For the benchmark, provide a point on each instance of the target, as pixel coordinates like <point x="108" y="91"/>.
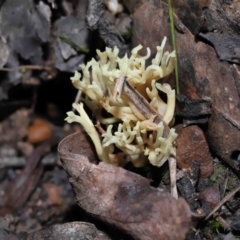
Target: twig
<point x="118" y="87"/>
<point x="30" y="67"/>
<point x="173" y="175"/>
<point x="144" y="107"/>
<point x="18" y="162"/>
<point x="225" y="184"/>
<point x="223" y="223"/>
<point x="225" y="199"/>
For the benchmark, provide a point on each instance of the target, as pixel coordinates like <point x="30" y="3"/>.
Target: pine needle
<point x="74" y="45"/>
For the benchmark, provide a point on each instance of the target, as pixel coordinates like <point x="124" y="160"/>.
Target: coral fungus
<point x="123" y="95"/>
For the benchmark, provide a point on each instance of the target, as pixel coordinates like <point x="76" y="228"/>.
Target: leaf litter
<point x="119" y="203"/>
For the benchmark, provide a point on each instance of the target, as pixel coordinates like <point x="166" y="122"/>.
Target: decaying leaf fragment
<point x="120" y="197"/>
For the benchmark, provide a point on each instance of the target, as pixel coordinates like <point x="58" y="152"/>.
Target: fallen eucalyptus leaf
<point x="120" y="197"/>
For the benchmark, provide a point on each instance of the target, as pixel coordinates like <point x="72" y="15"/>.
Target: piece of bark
<point x="190" y="12"/>
<point x="233" y="205"/>
<point x="222" y="31"/>
<point x="219" y="18"/>
<point x="226" y="45"/>
<point x="200" y="74"/>
<point x="193" y="111"/>
<point x="192" y="108"/>
<point x="191" y="145"/>
<point x="187" y="191"/>
<point x="120" y="197"/>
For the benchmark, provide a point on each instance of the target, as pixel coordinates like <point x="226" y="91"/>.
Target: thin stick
<point x="225" y="199"/>
<point x="225" y="185"/>
<point x="118" y="87"/>
<point x="223" y="223"/>
<point x="30" y="67"/>
<point x="144" y="107"/>
<point x="173" y="175"/>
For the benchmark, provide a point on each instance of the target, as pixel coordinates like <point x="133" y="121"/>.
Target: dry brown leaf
<point x="120" y="197"/>
<point x="191" y="145"/>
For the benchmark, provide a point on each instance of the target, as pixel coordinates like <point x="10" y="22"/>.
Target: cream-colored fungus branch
<point x="124" y="92"/>
<point x="87" y="124"/>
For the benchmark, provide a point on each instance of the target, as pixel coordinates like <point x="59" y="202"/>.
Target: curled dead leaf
<point x="120" y="197"/>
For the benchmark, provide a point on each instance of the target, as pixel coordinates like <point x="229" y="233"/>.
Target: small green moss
<point x="223" y="175"/>
<point x="232" y="183"/>
<point x="215" y="226"/>
<point x="218" y="176"/>
<point x="128" y="32"/>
